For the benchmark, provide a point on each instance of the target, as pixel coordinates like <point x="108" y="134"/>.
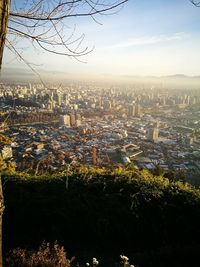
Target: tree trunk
<point x="4" y="14"/>
<point x="1" y="215"/>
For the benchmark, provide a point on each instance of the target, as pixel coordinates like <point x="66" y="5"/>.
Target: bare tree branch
<point x="45" y="23"/>
<point x="59" y="14"/>
<point x="196" y="3"/>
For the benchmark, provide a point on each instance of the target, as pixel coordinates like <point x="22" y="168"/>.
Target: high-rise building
<point x="65" y="99"/>
<point x="51" y="104"/>
<point x="59" y="99"/>
<point x="137" y="110"/>
<point x="65" y="120"/>
<point x="78" y="123"/>
<point x="78" y="116"/>
<point x="131" y="110"/>
<point x="163" y="101"/>
<point x="187" y="99"/>
<point x="153" y="134"/>
<point x="72" y="120"/>
<point x="75" y="106"/>
<point x="107" y="105"/>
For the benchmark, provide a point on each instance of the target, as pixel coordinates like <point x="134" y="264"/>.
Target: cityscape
<point x="54" y="126"/>
<point x="99" y="133"/>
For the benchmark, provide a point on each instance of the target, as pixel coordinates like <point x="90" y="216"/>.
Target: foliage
<point x="97" y="209"/>
<point x="5" y="139"/>
<point x="46" y="256"/>
<point x="51" y="256"/>
<point x="8" y="166"/>
<point x="3" y="165"/>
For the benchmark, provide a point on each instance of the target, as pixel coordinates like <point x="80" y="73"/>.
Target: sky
<point x="146" y="38"/>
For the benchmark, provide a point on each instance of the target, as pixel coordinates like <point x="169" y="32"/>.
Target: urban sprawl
<point x="52" y="127"/>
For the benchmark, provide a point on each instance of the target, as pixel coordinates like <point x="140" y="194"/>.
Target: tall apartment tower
<point x="65" y="120"/>
<point x="131" y="110"/>
<point x="51" y="104"/>
<point x="137" y="110"/>
<point x="72" y="120"/>
<point x="153" y="134"/>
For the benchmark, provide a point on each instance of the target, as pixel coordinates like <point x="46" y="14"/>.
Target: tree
<point x="4" y="14"/>
<point x="44" y="23"/>
<point x="196" y="3"/>
<point x="1" y="215"/>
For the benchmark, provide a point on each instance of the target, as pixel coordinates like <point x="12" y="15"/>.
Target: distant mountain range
<point x="174" y="76"/>
<point x="12" y="72"/>
<point x="181" y="76"/>
<point x="26" y="75"/>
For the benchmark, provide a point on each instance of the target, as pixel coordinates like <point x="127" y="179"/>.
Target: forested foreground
<point x="104" y="213"/>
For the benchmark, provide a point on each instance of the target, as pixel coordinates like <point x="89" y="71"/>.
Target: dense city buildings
<point x="76" y="124"/>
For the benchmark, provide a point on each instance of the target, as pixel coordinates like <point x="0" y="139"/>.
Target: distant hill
<point x="26" y="75"/>
<point x="181" y="76"/>
<point x="16" y="75"/>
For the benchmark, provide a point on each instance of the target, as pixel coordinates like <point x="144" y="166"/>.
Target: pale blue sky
<point x="147" y="37"/>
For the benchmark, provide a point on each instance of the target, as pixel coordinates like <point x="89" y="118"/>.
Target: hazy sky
<point x="147" y="37"/>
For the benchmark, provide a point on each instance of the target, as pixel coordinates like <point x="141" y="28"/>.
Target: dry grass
<point x="46" y="256"/>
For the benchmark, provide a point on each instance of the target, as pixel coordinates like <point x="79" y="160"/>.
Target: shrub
<point x="46" y="256"/>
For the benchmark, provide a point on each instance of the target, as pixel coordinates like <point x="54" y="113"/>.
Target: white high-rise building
<point x="153" y="134"/>
<point x="65" y="120"/>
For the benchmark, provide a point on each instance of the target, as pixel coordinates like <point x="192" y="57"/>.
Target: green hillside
<point x="106" y="213"/>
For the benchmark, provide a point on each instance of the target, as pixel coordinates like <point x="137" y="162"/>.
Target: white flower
<point x="95" y="261"/>
<point x="124" y="258"/>
<point x="87" y="264"/>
